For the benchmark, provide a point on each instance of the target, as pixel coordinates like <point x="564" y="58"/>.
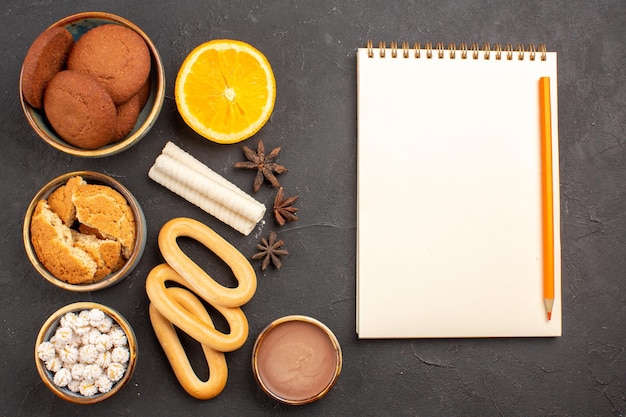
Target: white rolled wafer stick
<point x="182" y="174"/>
<point x="189" y="161"/>
<point x="171" y="179"/>
<point x="220" y="212"/>
<point x="206" y="186"/>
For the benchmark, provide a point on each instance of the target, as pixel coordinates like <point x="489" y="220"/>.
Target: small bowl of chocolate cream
<point x="296" y="360"/>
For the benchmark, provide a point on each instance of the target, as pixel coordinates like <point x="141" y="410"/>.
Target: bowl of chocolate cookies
<point x="84" y="231"/>
<point x="92" y="84"/>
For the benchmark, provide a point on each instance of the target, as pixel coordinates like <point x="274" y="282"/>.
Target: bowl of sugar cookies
<point x="92" y="84"/>
<point x="84" y="231"/>
<point x="85" y="352"/>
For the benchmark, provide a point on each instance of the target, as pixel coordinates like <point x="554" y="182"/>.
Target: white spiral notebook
<point x="449" y="233"/>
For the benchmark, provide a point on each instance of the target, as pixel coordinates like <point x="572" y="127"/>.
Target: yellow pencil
<point x="547" y="202"/>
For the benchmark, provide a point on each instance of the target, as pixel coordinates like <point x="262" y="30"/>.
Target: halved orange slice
<point x="225" y="90"/>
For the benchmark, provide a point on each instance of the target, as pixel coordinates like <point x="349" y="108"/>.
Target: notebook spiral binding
<point x="473" y="51"/>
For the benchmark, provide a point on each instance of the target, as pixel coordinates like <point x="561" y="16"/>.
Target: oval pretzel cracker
<point x="216" y="361"/>
<point x="176" y="312"/>
<point x="205" y="286"/>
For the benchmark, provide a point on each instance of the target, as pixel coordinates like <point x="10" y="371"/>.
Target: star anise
<point x="270" y="251"/>
<point x="284" y="211"/>
<point x="264" y="164"/>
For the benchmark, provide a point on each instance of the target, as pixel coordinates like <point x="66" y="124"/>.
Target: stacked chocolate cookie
<point x="92" y="89"/>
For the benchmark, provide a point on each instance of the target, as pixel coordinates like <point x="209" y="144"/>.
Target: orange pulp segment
<point x="225" y="90"/>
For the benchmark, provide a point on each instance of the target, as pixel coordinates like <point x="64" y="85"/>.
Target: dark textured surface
<point x="311" y="46"/>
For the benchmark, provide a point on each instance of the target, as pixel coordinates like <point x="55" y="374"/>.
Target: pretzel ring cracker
<point x="180" y="316"/>
<point x="205" y="286"/>
<point x="172" y="307"/>
<point x="166" y="334"/>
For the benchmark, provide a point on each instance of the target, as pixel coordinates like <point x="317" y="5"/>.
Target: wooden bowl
<point x="47" y="332"/>
<point x="90" y="177"/>
<point x="78" y="24"/>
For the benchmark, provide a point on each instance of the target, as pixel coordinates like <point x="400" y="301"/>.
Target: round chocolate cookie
<point x="45" y="57"/>
<point x="144" y="93"/>
<point x="116" y="56"/>
<point x="80" y="109"/>
<point x="127" y="114"/>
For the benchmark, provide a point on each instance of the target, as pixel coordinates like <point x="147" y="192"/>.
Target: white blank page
<point x="449" y="197"/>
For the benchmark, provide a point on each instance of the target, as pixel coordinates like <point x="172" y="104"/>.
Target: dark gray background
<point x="311" y="46"/>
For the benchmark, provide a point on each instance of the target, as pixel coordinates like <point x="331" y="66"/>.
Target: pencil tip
<point x="549" y="304"/>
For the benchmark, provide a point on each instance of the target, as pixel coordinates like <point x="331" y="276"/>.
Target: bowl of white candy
<point x="85" y="352"/>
